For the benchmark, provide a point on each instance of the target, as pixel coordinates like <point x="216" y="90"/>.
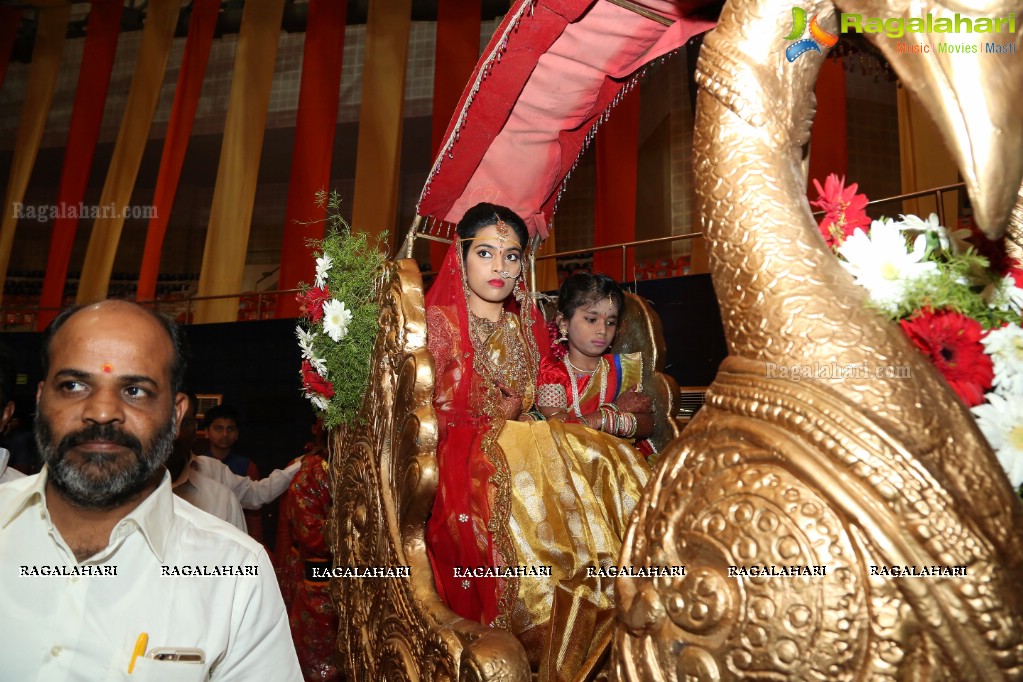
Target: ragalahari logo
<point x="818" y="36"/>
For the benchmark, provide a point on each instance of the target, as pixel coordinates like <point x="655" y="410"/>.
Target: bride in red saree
<point x="515" y="492"/>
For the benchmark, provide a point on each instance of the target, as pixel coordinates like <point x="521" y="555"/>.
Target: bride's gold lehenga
<point x="521" y="495"/>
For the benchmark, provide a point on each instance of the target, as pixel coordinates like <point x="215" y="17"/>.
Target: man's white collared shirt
<point x="252" y="494"/>
<point x="64" y="620"/>
<point x="210" y="496"/>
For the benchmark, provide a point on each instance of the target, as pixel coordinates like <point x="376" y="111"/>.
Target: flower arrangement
<point x="339" y="318"/>
<point x="956" y="295"/>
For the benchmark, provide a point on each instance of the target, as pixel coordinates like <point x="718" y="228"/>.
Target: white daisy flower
<point x="305" y="342"/>
<point x="322" y="268"/>
<point x="1001" y="421"/>
<point x="1005" y="346"/>
<point x="882" y="264"/>
<point x="336" y="319"/>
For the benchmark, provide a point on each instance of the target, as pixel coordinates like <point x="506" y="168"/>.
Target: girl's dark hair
<point x="481" y="215"/>
<point x="582" y="287"/>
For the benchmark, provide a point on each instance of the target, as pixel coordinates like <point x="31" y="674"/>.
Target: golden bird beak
<point x="975" y="97"/>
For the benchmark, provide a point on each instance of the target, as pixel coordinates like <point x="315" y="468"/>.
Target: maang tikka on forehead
<point x="503" y="231"/>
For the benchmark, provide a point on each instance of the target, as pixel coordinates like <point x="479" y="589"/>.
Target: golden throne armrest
<point x="384" y="478"/>
<point x="641" y="330"/>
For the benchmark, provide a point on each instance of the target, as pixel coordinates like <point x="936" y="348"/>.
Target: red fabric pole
<point x="829" y="142"/>
<point x="83" y="133"/>
<point x="458" y="50"/>
<point x="10" y="17"/>
<point x="314" y="144"/>
<point x="614" y="217"/>
<point x="179" y="130"/>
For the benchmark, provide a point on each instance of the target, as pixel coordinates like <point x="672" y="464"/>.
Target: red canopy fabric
<point x="549" y="76"/>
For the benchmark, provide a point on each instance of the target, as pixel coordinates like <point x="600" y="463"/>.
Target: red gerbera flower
<point x="845" y="210"/>
<point x="311" y="303"/>
<point x="952" y="342"/>
<point x="314" y="383"/>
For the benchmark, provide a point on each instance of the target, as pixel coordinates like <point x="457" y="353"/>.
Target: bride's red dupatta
<point x="468" y="528"/>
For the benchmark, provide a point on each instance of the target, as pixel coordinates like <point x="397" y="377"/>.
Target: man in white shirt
<point x="190" y="485"/>
<point x="6" y="412"/>
<point x="7" y="473"/>
<point x="211" y="485"/>
<point x="104" y="575"/>
<point x="251" y="494"/>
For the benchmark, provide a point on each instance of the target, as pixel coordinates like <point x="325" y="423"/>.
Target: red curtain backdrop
<point x="179" y="130"/>
<point x="457" y="51"/>
<point x="83" y="133"/>
<point x="614" y="217"/>
<point x="314" y="144"/>
<point x="829" y="145"/>
<point x="10" y="17"/>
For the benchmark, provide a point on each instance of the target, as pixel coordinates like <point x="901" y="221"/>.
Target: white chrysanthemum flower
<point x="1001" y="421"/>
<point x="336" y="319"/>
<point x="1005" y="346"/>
<point x="914" y="222"/>
<point x="318" y="400"/>
<point x="953" y="241"/>
<point x="319" y="365"/>
<point x="322" y="268"/>
<point x="881" y="263"/>
<point x="305" y="342"/>
<point x="1004" y="294"/>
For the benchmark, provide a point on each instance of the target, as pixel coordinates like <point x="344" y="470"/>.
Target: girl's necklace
<point x="581" y="371"/>
<point x="575" y="385"/>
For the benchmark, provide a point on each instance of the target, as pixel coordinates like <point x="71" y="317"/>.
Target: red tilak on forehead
<point x="107" y="368"/>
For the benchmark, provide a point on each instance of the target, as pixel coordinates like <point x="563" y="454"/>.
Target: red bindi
<point x="107" y="368"/>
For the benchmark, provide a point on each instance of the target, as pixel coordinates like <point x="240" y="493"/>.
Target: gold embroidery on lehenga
<point x="502" y="354"/>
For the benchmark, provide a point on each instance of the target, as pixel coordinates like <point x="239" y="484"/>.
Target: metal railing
<point x="623" y="247"/>
<point x="187" y="303"/>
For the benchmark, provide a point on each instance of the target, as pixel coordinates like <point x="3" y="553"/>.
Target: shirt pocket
<point x="149" y="670"/>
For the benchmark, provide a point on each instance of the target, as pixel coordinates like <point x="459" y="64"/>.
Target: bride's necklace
<point x="575" y="385"/>
<point x="483" y="327"/>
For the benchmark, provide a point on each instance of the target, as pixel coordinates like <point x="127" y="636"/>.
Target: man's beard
<point x="112" y="482"/>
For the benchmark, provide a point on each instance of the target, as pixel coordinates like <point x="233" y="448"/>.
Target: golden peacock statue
<point x="850" y="474"/>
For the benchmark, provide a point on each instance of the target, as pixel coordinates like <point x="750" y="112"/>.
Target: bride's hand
<point x="511" y="401"/>
<point x="633" y="401"/>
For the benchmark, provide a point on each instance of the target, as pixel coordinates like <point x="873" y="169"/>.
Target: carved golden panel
<point x="854" y="474"/>
<point x="384" y="476"/>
